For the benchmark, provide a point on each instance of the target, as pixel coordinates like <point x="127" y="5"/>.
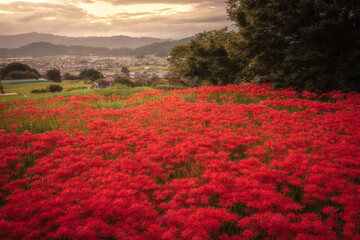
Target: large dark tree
<point x="305" y="43"/>
<point x="18" y="70"/>
<point x="54" y="75"/>
<point x="208" y="57"/>
<point x="90" y="74"/>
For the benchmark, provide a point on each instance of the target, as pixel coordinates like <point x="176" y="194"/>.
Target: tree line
<point x="310" y="45"/>
<point x="17" y="71"/>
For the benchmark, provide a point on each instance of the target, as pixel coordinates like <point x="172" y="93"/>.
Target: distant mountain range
<point x="38" y="49"/>
<point x="16" y="41"/>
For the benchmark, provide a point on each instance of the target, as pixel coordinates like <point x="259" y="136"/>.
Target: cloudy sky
<point x="151" y="18"/>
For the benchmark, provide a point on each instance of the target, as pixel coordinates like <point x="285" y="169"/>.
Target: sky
<point x="137" y="18"/>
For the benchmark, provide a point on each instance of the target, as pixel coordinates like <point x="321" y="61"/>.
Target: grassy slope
<point x="23" y="90"/>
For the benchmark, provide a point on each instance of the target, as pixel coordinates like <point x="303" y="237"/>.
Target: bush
<point x="154" y="81"/>
<point x="35" y="91"/>
<point x="55" y="88"/>
<point x="69" y="76"/>
<point x="43" y="90"/>
<point x="140" y="82"/>
<point x="169" y="87"/>
<point x="90" y="74"/>
<point x="21" y="75"/>
<point x="124" y="81"/>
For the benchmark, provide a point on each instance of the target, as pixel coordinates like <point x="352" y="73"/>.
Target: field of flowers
<point x="234" y="162"/>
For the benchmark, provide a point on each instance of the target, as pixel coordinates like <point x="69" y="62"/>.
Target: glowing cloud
<point x="103" y="9"/>
<point x="140" y="18"/>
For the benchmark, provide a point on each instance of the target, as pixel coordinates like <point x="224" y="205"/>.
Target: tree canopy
<point x="18" y="70"/>
<point x="308" y="44"/>
<point x="90" y="74"/>
<point x="68" y="76"/>
<point x="209" y="57"/>
<point x="54" y="75"/>
<point x="125" y="70"/>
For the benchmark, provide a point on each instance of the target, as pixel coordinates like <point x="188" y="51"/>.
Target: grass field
<point x="24" y="89"/>
<point x="69" y="89"/>
<point x="154" y="68"/>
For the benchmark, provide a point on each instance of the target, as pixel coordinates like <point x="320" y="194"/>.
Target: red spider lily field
<point x="233" y="162"/>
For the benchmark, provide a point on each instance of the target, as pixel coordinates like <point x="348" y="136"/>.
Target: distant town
<point x="140" y="67"/>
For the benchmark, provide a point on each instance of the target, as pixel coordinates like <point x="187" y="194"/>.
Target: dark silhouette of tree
<point x="54" y="75"/>
<point x="308" y="44"/>
<point x="90" y="74"/>
<point x="22" y="71"/>
<point x="208" y="57"/>
<point x="125" y="70"/>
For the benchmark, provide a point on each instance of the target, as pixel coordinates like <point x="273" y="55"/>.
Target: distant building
<point x="132" y="74"/>
<point x="103" y="82"/>
<point x="114" y="75"/>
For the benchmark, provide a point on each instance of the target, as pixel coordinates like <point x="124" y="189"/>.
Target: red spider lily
<point x="232" y="162"/>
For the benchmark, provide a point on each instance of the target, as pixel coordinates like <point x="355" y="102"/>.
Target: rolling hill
<point x="19" y="40"/>
<point x="38" y="49"/>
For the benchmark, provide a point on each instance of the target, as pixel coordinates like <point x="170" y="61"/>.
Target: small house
<point x="103" y="82"/>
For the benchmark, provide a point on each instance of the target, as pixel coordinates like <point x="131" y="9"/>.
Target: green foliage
<point x="42" y="90"/>
<point x="21" y="75"/>
<point x="154" y="81"/>
<point x="54" y="75"/>
<point x="124" y="81"/>
<point x="68" y="76"/>
<point x="23" y="90"/>
<point x="139" y="82"/>
<point x="209" y="57"/>
<point x="308" y="44"/>
<point x="35" y="91"/>
<point x="169" y="87"/>
<point x="125" y="70"/>
<point x="55" y="88"/>
<point x="90" y="74"/>
<point x="18" y="70"/>
<point x="51" y="88"/>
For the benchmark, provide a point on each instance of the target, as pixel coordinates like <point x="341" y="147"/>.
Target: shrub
<point x="154" y="81"/>
<point x="43" y="90"/>
<point x="90" y="74"/>
<point x="55" y="88"/>
<point x="124" y="81"/>
<point x="35" y="91"/>
<point x="169" y="87"/>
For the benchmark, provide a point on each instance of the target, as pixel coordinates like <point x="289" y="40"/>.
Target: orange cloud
<point x="155" y="18"/>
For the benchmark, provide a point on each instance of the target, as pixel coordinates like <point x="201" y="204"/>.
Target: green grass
<point x="24" y="90"/>
<point x="154" y="68"/>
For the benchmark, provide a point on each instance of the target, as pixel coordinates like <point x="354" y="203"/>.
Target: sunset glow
<point x="103" y="9"/>
<point x="29" y="1"/>
<point x="138" y="18"/>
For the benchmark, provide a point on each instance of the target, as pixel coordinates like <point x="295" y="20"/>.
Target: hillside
<point x="230" y="162"/>
<point x="16" y="41"/>
<point x="49" y="49"/>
